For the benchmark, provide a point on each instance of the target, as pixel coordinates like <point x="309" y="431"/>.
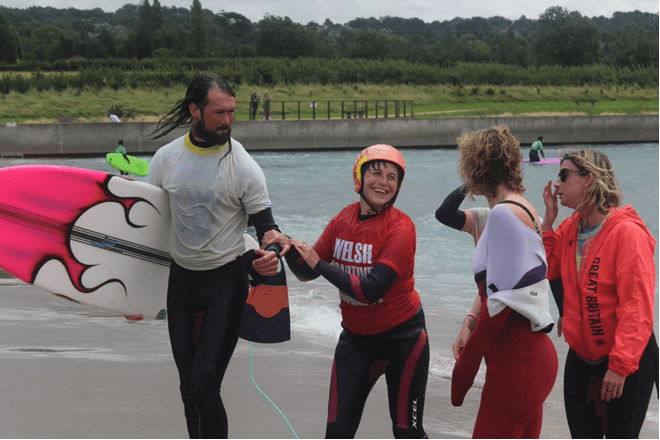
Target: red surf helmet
<point x="374" y="153"/>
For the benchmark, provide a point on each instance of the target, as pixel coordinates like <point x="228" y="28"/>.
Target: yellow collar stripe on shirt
<point x="198" y="150"/>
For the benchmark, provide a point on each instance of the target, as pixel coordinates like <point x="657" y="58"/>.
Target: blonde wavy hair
<point x="604" y="191"/>
<point x="489" y="158"/>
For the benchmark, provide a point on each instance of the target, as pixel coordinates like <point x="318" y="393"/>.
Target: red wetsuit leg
<point x="533" y="430"/>
<point x="521" y="371"/>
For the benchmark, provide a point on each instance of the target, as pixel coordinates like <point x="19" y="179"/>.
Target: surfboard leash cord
<point x="268" y="398"/>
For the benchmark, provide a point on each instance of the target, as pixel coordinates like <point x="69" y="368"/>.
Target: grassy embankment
<point x="429" y="101"/>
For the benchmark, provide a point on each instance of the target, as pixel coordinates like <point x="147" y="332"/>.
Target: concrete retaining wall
<point x="99" y="139"/>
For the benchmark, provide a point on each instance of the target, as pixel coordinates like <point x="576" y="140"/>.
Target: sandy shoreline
<point x="71" y="371"/>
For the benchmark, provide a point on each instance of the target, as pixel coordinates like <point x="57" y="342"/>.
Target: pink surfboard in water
<point x="546" y="161"/>
<point x="88" y="236"/>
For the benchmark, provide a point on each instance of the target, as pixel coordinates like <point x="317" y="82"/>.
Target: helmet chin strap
<point x="374" y="211"/>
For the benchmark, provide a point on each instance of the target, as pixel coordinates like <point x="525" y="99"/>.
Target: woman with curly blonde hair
<point x="490" y="158"/>
<point x="604" y="256"/>
<point x="510" y="268"/>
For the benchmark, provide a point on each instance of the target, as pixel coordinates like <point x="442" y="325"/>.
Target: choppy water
<point x="308" y="188"/>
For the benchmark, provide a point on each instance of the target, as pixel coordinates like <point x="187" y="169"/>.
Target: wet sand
<point x="71" y="371"/>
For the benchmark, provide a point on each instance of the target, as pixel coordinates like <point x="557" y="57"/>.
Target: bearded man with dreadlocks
<point x="214" y="187"/>
<point x="368" y="252"/>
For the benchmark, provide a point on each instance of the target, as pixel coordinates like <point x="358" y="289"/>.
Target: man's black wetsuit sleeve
<point x="448" y="213"/>
<point x="263" y="222"/>
<point x="366" y="289"/>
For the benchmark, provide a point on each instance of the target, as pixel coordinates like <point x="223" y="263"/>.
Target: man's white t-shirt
<point x="212" y="191"/>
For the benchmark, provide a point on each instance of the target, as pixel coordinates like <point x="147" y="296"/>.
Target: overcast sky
<point x="342" y="11"/>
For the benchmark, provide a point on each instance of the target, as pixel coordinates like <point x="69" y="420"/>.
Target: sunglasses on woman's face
<point x="563" y="173"/>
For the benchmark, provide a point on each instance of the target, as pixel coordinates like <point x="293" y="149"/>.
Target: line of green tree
<point x="149" y="30"/>
<point x="151" y="73"/>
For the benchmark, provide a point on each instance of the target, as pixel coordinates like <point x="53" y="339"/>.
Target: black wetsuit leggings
<point x="589" y="416"/>
<point x="534" y="156"/>
<point x="402" y="353"/>
<point x="216" y="298"/>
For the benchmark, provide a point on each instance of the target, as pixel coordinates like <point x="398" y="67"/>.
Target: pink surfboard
<point x="104" y="240"/>
<point x="546" y="161"/>
<point x="88" y="236"/>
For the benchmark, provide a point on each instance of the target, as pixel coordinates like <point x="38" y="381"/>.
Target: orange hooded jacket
<point x="609" y="300"/>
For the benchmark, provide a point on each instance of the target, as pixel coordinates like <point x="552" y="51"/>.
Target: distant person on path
<point x="254" y="105"/>
<point x="537" y="146"/>
<point x="113" y="117"/>
<point x="214" y="187"/>
<point x="122" y="150"/>
<point x="509" y="266"/>
<point x="604" y="255"/>
<point x="266" y="106"/>
<point x="368" y="252"/>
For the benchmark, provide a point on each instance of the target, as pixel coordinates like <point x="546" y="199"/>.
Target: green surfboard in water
<point x="137" y="166"/>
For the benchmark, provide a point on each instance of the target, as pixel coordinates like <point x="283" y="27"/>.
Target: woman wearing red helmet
<point x="368" y="252"/>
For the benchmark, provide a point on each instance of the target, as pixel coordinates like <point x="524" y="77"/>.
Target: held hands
<point x="308" y="253"/>
<point x="612" y="386"/>
<point x="274" y="236"/>
<point x="268" y="263"/>
<point x="551" y="207"/>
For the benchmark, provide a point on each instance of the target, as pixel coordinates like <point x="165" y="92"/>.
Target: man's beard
<point x="211" y="136"/>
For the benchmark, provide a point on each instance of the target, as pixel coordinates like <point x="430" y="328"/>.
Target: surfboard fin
<point x="266" y="317"/>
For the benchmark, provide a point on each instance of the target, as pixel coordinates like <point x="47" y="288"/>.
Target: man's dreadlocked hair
<point x="197" y="93"/>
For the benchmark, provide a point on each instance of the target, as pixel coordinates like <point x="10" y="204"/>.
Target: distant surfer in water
<point x="214" y="186"/>
<point x="122" y="150"/>
<point x="536" y="148"/>
<point x="509" y="266"/>
<point x="368" y="252"/>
